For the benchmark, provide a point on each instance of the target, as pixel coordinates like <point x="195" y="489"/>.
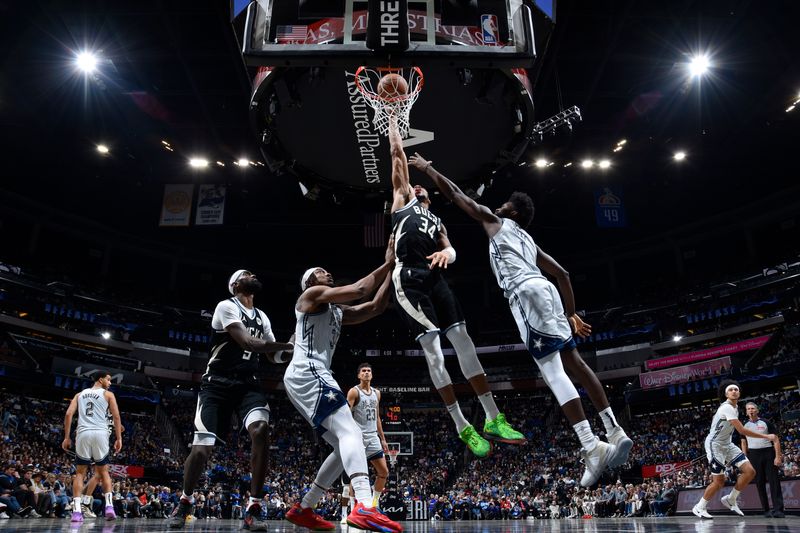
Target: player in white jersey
<point x="313" y="391"/>
<point x="721" y="452"/>
<point x="365" y="402"/>
<point x="91" y="438"/>
<point x="546" y="330"/>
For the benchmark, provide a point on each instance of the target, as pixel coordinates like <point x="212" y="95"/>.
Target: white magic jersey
<point x="92" y="410"/>
<point x="365" y="412"/>
<point x="721" y="428"/>
<point x="316" y="335"/>
<point x="512" y="254"/>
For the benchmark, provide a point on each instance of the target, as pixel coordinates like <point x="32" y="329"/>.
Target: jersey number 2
<point x="89" y="409"/>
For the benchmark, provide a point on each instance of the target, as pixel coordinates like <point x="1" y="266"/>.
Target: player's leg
<point x="212" y="408"/>
<point x="716" y="463"/>
<point x="381" y="476"/>
<point x="105" y="479"/>
<point x="349" y="444"/>
<point x="302" y="513"/>
<point x="344" y="499"/>
<point x="412" y="289"/>
<point x="449" y="312"/>
<point x="77" y="485"/>
<point x="746" y="475"/>
<point x="254" y="413"/>
<point x="88" y="495"/>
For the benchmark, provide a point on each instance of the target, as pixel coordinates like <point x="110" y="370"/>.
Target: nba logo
<point x="489" y="29"/>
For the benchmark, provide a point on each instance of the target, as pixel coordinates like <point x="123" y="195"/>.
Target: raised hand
<point x="419" y="162"/>
<point x="579" y="327"/>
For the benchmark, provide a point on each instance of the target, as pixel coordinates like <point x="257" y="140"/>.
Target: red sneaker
<point x="372" y="520"/>
<point x="308" y="518"/>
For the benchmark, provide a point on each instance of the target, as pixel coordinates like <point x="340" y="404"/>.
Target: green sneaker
<point x="500" y="430"/>
<point x="476" y="444"/>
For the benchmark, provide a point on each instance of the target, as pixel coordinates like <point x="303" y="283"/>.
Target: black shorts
<point x="218" y="399"/>
<point x="425" y="299"/>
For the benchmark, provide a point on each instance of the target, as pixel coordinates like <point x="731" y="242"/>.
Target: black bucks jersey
<point x="226" y="358"/>
<point x="416" y="233"/>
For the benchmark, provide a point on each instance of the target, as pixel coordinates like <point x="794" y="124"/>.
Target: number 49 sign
<point x="609" y="210"/>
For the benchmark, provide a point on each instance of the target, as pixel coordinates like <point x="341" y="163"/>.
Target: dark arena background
<point x="152" y="148"/>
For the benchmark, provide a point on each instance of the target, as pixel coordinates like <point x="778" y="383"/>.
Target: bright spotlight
<point x="243" y="162"/>
<point x="198" y="162"/>
<point x="790" y="108"/>
<point x="617" y="149"/>
<point x="86" y="61"/>
<point x="699" y="65"/>
<point x="587" y="163"/>
<point x="106" y="335"/>
<point x="679" y="156"/>
<point x="605" y="163"/>
<point x="623" y="141"/>
<point x="676" y="338"/>
<point x="102" y="148"/>
<point x="568" y="164"/>
<point x="541" y="163"/>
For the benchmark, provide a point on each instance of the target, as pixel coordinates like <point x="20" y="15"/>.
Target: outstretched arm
<point x="491" y="222"/>
<point x="363" y="312"/>
<point x="252" y="344"/>
<point x="551" y="266"/>
<point x="401" y="184"/>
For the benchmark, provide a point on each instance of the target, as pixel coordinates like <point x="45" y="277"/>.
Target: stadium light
<point x="569" y="164"/>
<point x="220" y="164"/>
<point x="102" y="148"/>
<point x="699" y="65"/>
<point x="676" y="338"/>
<point x="679" y="156"/>
<point x="621" y="142"/>
<point x="790" y="108"/>
<point x="541" y="163"/>
<point x="587" y="163"/>
<point x="198" y="162"/>
<point x="106" y="335"/>
<point x="605" y="163"/>
<point x="86" y="61"/>
<point x="243" y="162"/>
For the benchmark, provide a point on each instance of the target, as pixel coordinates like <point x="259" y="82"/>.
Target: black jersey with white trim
<point x="229" y="360"/>
<point x="416" y="234"/>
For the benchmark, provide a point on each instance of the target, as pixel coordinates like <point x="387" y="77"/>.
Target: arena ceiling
<point x="171" y="71"/>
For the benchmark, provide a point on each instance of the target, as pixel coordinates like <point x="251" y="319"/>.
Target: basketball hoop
<point x="396" y="104"/>
<point x="393" y="457"/>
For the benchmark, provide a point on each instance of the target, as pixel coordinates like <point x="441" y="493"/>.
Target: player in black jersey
<point x="422" y="251"/>
<point x="241" y="334"/>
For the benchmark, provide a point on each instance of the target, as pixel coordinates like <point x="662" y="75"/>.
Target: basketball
<point x="392" y="85"/>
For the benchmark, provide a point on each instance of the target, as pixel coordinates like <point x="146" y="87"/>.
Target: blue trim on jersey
<point x="333" y="401"/>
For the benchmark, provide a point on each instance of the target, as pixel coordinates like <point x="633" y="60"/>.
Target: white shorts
<point x="539" y="313"/>
<point x="313" y="391"/>
<point x="722" y="455"/>
<point x="91" y="447"/>
<point x="372" y="446"/>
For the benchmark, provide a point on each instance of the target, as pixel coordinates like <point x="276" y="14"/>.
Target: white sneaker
<point x="3" y="516"/>
<point x="34" y="514"/>
<point x="87" y="511"/>
<point x="700" y="512"/>
<point x="618" y="438"/>
<point x="596" y="462"/>
<point x="343" y="521"/>
<point x="733" y="506"/>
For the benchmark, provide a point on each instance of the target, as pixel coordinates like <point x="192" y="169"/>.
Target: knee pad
<point x="432" y="347"/>
<point x="465" y="350"/>
<point x="556" y="379"/>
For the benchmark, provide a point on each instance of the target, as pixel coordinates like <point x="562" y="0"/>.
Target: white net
<point x="393" y="96"/>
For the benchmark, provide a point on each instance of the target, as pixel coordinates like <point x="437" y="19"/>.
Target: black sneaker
<point x="778" y="514"/>
<point x="253" y="520"/>
<point x="178" y="518"/>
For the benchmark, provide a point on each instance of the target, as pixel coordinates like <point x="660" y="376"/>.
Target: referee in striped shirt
<point x="765" y="459"/>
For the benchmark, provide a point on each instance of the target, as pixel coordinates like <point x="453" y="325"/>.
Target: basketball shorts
<point x="539" y="314"/>
<point x="92" y="446"/>
<point x="313" y="391"/>
<point x="372" y="446"/>
<point x="218" y="399"/>
<point x="425" y="298"/>
<point x="721" y="455"/>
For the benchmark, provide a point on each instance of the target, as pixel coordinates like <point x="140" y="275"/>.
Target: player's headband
<point x="234" y="278"/>
<point x="729" y="387"/>
<point x="306" y="276"/>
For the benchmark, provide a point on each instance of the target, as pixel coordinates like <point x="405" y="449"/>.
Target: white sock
<point x="362" y="490"/>
<point x="76" y="505"/>
<point x="584" y="432"/>
<point x="733" y="495"/>
<point x="487" y="401"/>
<point x="109" y="499"/>
<point x="312" y="496"/>
<point x="86" y="500"/>
<point x="609" y="420"/>
<point x="344" y="511"/>
<point x="702" y="503"/>
<point x="458" y="416"/>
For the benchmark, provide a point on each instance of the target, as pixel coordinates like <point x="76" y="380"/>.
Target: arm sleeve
<point x="225" y="314"/>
